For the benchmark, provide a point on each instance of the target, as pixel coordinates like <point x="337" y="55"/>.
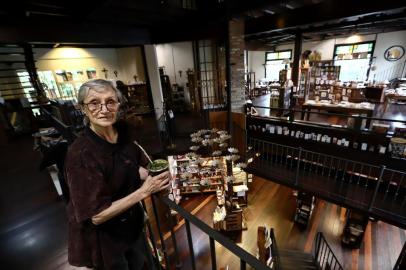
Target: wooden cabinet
<point x="233" y="220"/>
<point x="354" y="229"/>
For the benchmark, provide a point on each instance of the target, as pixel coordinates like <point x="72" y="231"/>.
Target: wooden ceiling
<point x="134" y="22"/>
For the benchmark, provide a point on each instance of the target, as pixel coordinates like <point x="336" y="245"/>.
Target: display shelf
<point x="368" y="146"/>
<point x="351" y="94"/>
<point x="323" y="75"/>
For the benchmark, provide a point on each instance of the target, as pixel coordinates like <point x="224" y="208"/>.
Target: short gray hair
<point x="100" y="85"/>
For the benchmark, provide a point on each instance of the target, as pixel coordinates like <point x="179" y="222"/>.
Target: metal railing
<point x="299" y="168"/>
<point x="265" y="111"/>
<point x="323" y="254"/>
<point x="172" y="256"/>
<point x="401" y="261"/>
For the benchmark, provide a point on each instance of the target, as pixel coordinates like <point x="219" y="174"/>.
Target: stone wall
<point x="237" y="46"/>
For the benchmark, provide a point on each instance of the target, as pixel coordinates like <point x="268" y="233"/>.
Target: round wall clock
<point x="394" y="53"/>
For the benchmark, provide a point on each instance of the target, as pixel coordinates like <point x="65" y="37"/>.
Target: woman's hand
<point x="143" y="173"/>
<point x="156" y="183"/>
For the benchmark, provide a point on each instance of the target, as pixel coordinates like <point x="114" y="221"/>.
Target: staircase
<point x="296" y="260"/>
<point x="321" y="258"/>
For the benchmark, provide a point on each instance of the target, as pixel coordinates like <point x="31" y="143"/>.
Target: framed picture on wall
<point x="394" y="53"/>
<point x="61" y="75"/>
<point x="91" y="73"/>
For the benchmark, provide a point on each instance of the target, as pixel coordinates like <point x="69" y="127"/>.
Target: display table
<point x="348" y="108"/>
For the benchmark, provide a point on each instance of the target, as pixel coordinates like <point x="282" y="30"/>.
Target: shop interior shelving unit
<point x="323" y="75"/>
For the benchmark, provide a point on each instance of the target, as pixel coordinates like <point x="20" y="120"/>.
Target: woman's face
<point x="101" y="107"/>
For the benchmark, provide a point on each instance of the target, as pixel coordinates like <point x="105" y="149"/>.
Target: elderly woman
<point x="106" y="175"/>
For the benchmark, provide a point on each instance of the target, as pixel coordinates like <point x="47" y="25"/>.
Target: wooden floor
<point x="274" y="205"/>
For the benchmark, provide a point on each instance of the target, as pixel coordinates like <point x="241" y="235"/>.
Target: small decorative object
<point x="382" y="149"/>
<point x="229" y="179"/>
<point x="191" y="155"/>
<point x="186" y="175"/>
<point x="233" y="150"/>
<point x="216" y="153"/>
<point x="194" y="147"/>
<point x="105" y="71"/>
<point x="225" y="137"/>
<point x="241" y="165"/>
<point x="394" y="53"/>
<point x="223" y="145"/>
<point x="215" y="163"/>
<point x="197" y="139"/>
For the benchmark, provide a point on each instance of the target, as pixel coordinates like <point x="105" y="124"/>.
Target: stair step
<point x="296" y="260"/>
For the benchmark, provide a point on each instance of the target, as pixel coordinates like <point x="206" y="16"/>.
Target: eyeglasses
<point x="96" y="106"/>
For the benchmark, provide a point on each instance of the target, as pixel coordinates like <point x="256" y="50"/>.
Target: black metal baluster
<point x="277" y="154"/>
<point x="359" y="174"/>
<point x="337" y="168"/>
<point x="151" y="235"/>
<point x="159" y="230"/>
<point x="368" y="176"/>
<point x="174" y="242"/>
<point x="352" y="172"/>
<point x="318" y="164"/>
<point x="243" y="265"/>
<point x="190" y="242"/>
<point x="297" y="167"/>
<point x="399" y="185"/>
<point x="345" y="170"/>
<point x="331" y="165"/>
<point x="311" y="162"/>
<point x="390" y="181"/>
<point x="376" y="188"/>
<point x="268" y="153"/>
<point x="324" y="252"/>
<point x="331" y="260"/>
<point x="213" y="254"/>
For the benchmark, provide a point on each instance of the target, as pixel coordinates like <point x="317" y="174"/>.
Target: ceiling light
<point x="269" y="11"/>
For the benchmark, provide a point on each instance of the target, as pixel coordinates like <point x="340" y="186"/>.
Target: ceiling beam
<point x="64" y="32"/>
<point x="326" y="11"/>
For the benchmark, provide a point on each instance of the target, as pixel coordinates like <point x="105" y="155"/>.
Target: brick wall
<point x="237" y="45"/>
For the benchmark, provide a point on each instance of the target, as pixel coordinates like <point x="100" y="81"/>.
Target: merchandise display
<point x="375" y="147"/>
<point x="212" y="167"/>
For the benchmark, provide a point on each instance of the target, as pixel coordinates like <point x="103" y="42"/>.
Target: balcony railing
<point x="379" y="191"/>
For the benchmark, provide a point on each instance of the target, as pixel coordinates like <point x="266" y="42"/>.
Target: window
<point x="354" y="60"/>
<point x="27" y="87"/>
<point x="274" y="62"/>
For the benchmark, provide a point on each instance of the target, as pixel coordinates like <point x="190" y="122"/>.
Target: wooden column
<point x="296" y="58"/>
